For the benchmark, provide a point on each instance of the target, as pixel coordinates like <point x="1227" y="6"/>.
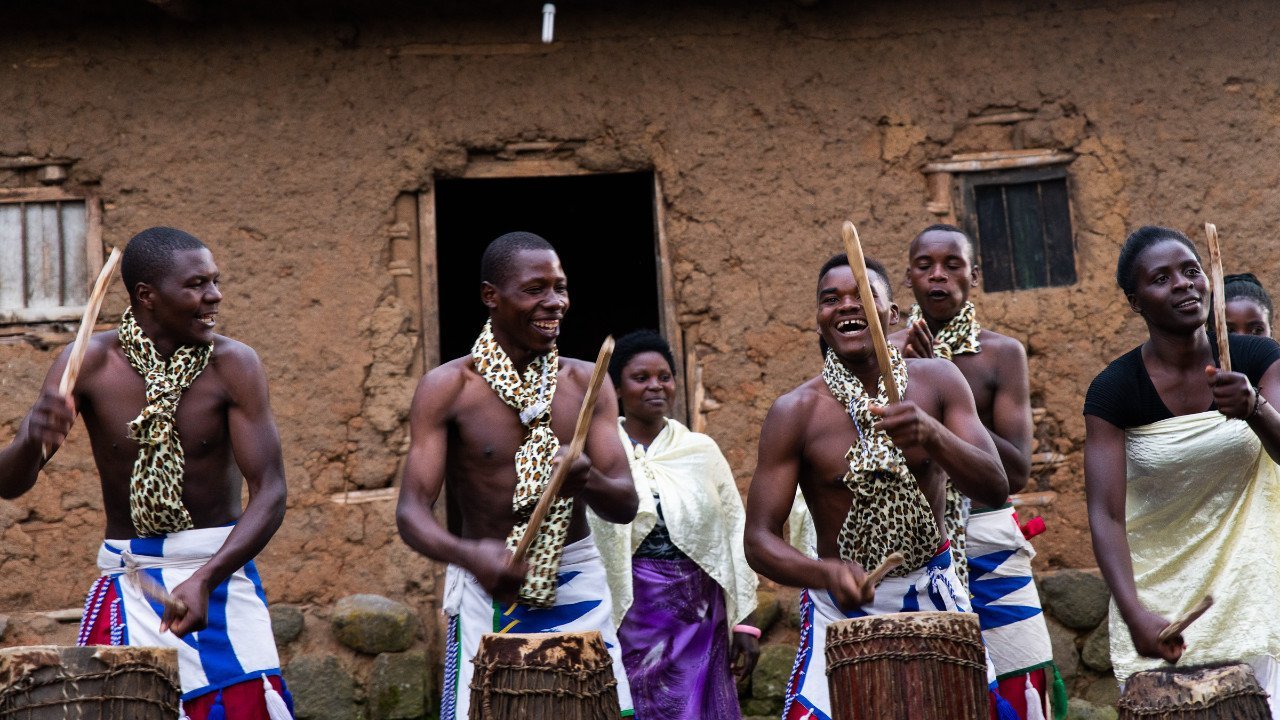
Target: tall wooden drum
<point x="543" y="676"/>
<point x="907" y="666"/>
<point x="1222" y="692"/>
<point x="48" y="682"/>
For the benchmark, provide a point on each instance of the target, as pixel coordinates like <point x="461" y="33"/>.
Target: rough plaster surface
<point x="284" y="144"/>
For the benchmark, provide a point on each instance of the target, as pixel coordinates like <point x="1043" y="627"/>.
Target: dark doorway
<point x="602" y="226"/>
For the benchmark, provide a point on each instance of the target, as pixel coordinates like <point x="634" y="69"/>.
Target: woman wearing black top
<point x="1166" y="527"/>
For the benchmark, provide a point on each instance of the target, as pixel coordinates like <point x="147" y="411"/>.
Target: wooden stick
<point x="575" y="449"/>
<point x="1176" y="627"/>
<point x="1219" y="292"/>
<point x="885" y="567"/>
<point x="858" y="264"/>
<point x="158" y="593"/>
<point x="87" y="321"/>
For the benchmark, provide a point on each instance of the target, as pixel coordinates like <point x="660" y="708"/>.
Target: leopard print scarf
<point x="958" y="337"/>
<point x="531" y="397"/>
<point x="155" y="486"/>
<point x="889" y="512"/>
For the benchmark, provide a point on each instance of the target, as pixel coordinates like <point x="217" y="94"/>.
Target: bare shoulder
<point x="1002" y="346"/>
<point x="451" y="375"/>
<point x="101" y="348"/>
<point x="575" y="370"/>
<point x="234" y="355"/>
<point x="934" y="372"/>
<point x="799" y="403"/>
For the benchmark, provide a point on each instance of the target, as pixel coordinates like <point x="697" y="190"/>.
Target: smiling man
<point x="489" y="427"/>
<point x="992" y="557"/>
<point x="178" y="419"/>
<point x="872" y="474"/>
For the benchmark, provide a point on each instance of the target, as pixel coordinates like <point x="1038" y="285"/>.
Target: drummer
<point x="872" y="474"/>
<point x="178" y="418"/>
<point x="490" y="426"/>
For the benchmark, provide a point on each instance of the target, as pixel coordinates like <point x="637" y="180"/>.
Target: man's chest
<point x="116" y="399"/>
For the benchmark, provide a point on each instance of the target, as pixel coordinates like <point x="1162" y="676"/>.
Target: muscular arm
<point x="46" y="423"/>
<point x="1105" y="481"/>
<point x="255" y="443"/>
<point x="1011" y="417"/>
<point x="1266" y="423"/>
<point x="773" y="488"/>
<point x="609" y="489"/>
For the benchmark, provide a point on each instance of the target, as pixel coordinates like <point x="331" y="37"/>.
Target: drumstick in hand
<point x="885" y="567"/>
<point x="858" y="264"/>
<point x="1218" y="292"/>
<point x="575" y="449"/>
<point x="1180" y="624"/>
<point x="87" y="321"/>
<point x="156" y="592"/>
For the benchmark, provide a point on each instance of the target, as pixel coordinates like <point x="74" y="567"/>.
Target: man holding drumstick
<point x="489" y="426"/>
<point x="872" y="473"/>
<point x="178" y="418"/>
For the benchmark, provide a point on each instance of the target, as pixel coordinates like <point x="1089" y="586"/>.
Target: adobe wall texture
<point x="284" y="143"/>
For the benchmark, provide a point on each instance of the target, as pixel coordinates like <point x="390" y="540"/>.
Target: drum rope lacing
<point x="1145" y="708"/>
<point x="871" y="654"/>
<point x="30" y="683"/>
<point x="583" y="673"/>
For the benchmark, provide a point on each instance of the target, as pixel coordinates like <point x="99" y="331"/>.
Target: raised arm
<point x="1105" y="482"/>
<point x="46" y="424"/>
<point x="773" y="488"/>
<point x="1236" y="398"/>
<point x="1011" y="416"/>
<point x="255" y="444"/>
<point x="958" y="442"/>
<point x="607" y="488"/>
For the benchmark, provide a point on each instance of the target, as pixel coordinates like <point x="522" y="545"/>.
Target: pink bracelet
<point x="747" y="630"/>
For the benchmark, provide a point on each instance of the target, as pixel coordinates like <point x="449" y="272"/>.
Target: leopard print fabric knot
<point x="958" y="337"/>
<point x="155" y="486"/>
<point x="531" y="396"/>
<point x="888" y="512"/>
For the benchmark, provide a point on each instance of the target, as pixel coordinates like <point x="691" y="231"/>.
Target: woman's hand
<point x="744" y="651"/>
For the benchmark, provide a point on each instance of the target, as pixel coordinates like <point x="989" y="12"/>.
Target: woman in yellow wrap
<point x="1180" y="473"/>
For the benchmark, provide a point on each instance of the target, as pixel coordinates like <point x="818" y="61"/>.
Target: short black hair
<point x="841" y="259"/>
<point x="149" y="255"/>
<point x="495" y="264"/>
<point x="1137" y="243"/>
<point x="944" y="227"/>
<point x="634" y="343"/>
<point x="1246" y="286"/>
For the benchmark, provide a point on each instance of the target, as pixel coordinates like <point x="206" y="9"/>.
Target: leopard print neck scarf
<point x="531" y="397"/>
<point x="958" y="337"/>
<point x="889" y="512"/>
<point x="155" y="486"/>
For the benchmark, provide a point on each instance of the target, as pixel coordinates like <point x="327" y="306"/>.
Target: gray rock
<point x="1096" y="652"/>
<point x="321" y="689"/>
<point x="1078" y="709"/>
<point x="1104" y="691"/>
<point x="1075" y="598"/>
<point x="4" y="625"/>
<point x="1065" y="654"/>
<point x="753" y="708"/>
<point x="286" y="623"/>
<point x="767" y="609"/>
<point x="398" y="686"/>
<point x="373" y="624"/>
<point x="769" y="680"/>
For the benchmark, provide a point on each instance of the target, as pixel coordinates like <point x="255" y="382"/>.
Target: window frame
<point x="965" y="191"/>
<point x="92" y="250"/>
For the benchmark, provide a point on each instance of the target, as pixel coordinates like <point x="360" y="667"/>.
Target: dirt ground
<point x="284" y="141"/>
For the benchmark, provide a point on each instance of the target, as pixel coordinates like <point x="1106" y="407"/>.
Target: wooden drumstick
<point x="87" y="321"/>
<point x="156" y="592"/>
<point x="575" y="449"/>
<point x="858" y="264"/>
<point x="1218" y="291"/>
<point x="1176" y="627"/>
<point x="885" y="567"/>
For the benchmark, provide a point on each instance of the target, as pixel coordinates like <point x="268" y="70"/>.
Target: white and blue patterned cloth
<point x="1004" y="593"/>
<point x="237" y="645"/>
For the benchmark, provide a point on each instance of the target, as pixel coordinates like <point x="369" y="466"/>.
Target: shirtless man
<point x="487" y="449"/>
<point x="896" y="458"/>
<point x="940" y="272"/>
<point x="173" y="502"/>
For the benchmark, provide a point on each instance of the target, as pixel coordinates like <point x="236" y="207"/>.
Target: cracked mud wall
<point x="285" y="143"/>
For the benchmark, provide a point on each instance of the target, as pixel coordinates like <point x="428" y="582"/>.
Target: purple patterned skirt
<point x="675" y="643"/>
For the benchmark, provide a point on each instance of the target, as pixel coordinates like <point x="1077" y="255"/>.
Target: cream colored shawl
<point x="702" y="510"/>
<point x="1201" y="510"/>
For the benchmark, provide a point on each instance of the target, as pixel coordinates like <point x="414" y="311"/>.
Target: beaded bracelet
<point x="1258" y="402"/>
<point x="747" y="630"/>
